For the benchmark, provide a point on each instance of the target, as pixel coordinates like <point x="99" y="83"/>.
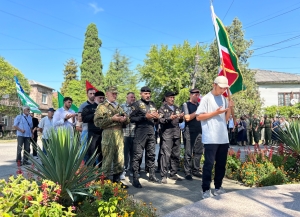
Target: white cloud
<point x="96" y="8"/>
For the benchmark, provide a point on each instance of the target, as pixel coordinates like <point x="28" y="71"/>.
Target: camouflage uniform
<point x="256" y="134"/>
<point x="112" y="137"/>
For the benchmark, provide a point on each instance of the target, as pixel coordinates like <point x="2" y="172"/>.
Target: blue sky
<point x="38" y="37"/>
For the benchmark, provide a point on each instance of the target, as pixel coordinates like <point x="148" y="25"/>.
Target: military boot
<point x="116" y="178"/>
<point x="152" y="177"/>
<point x="136" y="183"/>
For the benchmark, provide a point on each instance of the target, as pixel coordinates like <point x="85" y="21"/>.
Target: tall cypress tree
<point x="91" y="66"/>
<point x="70" y="73"/>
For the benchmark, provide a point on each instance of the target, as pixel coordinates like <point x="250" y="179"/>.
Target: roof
<point x="271" y="77"/>
<point x="32" y="82"/>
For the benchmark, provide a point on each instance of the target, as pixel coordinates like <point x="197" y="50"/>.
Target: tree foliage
<point x="9" y="100"/>
<point x="170" y="69"/>
<point x="247" y="101"/>
<point x="70" y="73"/>
<point x="76" y="90"/>
<point x="91" y="66"/>
<point x="120" y="75"/>
<point x="285" y="111"/>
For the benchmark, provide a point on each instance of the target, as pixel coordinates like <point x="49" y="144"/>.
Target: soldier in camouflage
<point x="256" y="129"/>
<point x="110" y="117"/>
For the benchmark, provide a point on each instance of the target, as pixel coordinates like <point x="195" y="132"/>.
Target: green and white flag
<point x="25" y="99"/>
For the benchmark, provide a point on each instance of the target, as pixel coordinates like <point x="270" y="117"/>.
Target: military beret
<point x="111" y="89"/>
<point x="145" y="89"/>
<point x="195" y="90"/>
<point x="170" y="93"/>
<point x="99" y="93"/>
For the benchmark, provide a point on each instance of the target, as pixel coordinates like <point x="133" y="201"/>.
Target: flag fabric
<point x="25" y="99"/>
<point x="88" y="85"/>
<point x="230" y="67"/>
<point x="60" y="98"/>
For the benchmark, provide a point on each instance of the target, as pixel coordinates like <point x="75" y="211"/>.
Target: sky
<point x="38" y="37"/>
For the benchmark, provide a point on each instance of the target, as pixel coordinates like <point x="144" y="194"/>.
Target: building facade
<point x="39" y="93"/>
<point x="278" y="88"/>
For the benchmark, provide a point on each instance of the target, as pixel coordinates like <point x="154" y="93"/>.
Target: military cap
<point x="145" y="89"/>
<point x="170" y="93"/>
<point x="99" y="93"/>
<point x="195" y="90"/>
<point x="111" y="89"/>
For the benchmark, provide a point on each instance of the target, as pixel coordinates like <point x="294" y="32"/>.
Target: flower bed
<point x="262" y="167"/>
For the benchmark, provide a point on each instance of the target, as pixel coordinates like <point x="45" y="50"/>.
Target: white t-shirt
<point x="214" y="129"/>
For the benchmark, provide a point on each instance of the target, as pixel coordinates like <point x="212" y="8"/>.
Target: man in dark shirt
<point x="94" y="133"/>
<point x="144" y="114"/>
<point x="193" y="144"/>
<point x="170" y="117"/>
<point x="35" y="123"/>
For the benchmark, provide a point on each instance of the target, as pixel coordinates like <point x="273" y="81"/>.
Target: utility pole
<point x="197" y="67"/>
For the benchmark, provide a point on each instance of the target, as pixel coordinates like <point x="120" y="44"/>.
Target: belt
<point x="114" y="128"/>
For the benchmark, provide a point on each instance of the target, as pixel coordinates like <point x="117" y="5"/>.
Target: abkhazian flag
<point x="228" y="56"/>
<point x="25" y="99"/>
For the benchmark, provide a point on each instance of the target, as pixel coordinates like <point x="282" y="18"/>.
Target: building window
<point x="285" y="98"/>
<point x="44" y="98"/>
<point x="5" y="120"/>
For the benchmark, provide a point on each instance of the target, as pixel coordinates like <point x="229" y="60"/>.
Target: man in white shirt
<point x="64" y="116"/>
<point x="45" y="126"/>
<point x="214" y="111"/>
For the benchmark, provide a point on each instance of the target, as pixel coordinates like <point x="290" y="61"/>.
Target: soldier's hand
<point x="181" y="115"/>
<point x="155" y="115"/>
<point x="149" y="115"/>
<point x="116" y="117"/>
<point x="173" y="117"/>
<point x="123" y="119"/>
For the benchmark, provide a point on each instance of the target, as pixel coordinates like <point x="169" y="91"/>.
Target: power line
<point x="228" y="10"/>
<point x="281" y="57"/>
<point x="272" y="13"/>
<point x="270" y="45"/>
<point x="272" y="18"/>
<point x="276" y="50"/>
<point x="74" y="24"/>
<point x="37" y="44"/>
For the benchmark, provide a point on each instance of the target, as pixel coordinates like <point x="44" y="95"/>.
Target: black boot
<point x="116" y="178"/>
<point x="152" y="177"/>
<point x="136" y="183"/>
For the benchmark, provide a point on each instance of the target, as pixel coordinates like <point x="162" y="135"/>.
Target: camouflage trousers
<point x="112" y="151"/>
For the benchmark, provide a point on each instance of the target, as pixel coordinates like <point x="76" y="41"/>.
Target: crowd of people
<point x="121" y="134"/>
<point x="250" y="130"/>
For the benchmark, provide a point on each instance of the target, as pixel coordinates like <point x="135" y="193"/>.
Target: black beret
<point x="195" y="90"/>
<point x="145" y="89"/>
<point x="99" y="93"/>
<point x="170" y="93"/>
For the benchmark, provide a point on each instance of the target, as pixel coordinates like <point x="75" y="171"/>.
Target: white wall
<point x="269" y="92"/>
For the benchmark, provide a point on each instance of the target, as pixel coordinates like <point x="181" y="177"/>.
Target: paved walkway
<point x="165" y="197"/>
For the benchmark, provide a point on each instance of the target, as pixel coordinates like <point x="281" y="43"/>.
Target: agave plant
<point x="62" y="163"/>
<point x="291" y="138"/>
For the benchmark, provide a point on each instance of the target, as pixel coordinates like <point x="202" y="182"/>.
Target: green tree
<point x="70" y="73"/>
<point x="247" y="101"/>
<point x="91" y="66"/>
<point x="76" y="90"/>
<point x="120" y="75"/>
<point x="9" y="103"/>
<point x="170" y="69"/>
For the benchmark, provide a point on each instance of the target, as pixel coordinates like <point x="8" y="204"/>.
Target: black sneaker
<point x="175" y="177"/>
<point x="189" y="177"/>
<point x="197" y="174"/>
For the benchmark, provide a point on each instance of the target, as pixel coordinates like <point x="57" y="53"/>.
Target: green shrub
<point x="21" y="197"/>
